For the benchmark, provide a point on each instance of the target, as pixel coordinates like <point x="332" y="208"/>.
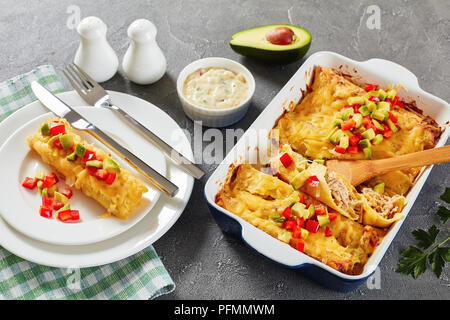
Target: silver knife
<point x="77" y="121"/>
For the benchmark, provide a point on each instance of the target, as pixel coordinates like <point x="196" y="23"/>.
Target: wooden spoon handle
<point x="412" y="160"/>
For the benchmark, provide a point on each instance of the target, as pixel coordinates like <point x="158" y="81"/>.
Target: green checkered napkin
<point x="141" y="276"/>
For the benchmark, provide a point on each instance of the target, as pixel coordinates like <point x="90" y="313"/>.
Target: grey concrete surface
<point x="204" y="262"/>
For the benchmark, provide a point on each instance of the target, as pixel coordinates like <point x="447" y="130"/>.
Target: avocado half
<point x="253" y="43"/>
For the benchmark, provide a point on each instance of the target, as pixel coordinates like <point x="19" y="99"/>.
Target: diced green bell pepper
<point x="358" y="118"/>
<point x="368" y="152"/>
<point x="391" y="94"/>
<point x="347" y="113"/>
<point x="80" y="150"/>
<point x="355" y="100"/>
<point x="379" y="188"/>
<point x="66" y="141"/>
<point x="45" y="129"/>
<point x="344" y="142"/>
<point x="378" y="139"/>
<point x="285" y="236"/>
<point x="72" y="156"/>
<point x="368" y="134"/>
<point x="94" y="163"/>
<point x="391" y="125"/>
<point x="299" y="180"/>
<point x="323" y="219"/>
<point x="364" y="110"/>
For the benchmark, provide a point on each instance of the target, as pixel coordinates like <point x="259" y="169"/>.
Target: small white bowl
<point x="215" y="117"/>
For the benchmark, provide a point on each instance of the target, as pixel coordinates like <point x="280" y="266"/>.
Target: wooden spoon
<point x="358" y="171"/>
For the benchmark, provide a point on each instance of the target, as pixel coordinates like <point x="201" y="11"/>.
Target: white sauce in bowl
<point x="215" y="88"/>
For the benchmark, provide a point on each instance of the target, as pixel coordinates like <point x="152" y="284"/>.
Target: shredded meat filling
<point x="343" y="198"/>
<point x="384" y="205"/>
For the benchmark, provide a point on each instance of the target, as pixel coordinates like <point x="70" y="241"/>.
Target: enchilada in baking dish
<point x="297" y="200"/>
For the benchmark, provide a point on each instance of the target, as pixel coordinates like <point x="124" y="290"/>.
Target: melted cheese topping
<point x="307" y="127"/>
<point x="215" y="88"/>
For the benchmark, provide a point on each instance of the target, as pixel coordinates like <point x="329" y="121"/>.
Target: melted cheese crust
<point x="307" y="127"/>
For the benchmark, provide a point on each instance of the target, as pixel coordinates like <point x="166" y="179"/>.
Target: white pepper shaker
<point x="94" y="55"/>
<point x="144" y="62"/>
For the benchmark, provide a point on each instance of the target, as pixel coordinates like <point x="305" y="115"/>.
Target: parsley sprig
<point x="415" y="258"/>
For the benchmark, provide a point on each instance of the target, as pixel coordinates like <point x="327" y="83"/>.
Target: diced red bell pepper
<point x="110" y="178"/>
<point x="300" y="246"/>
<point x="340" y="150"/>
<point x="67" y="192"/>
<point x="296" y="233"/>
<point x="302" y="198"/>
<point x="398" y="102"/>
<point x="287" y="213"/>
<point x="69" y="215"/>
<point x="313" y="181"/>
<point x="388" y="133"/>
<point x="366" y="120"/>
<point x="301" y="222"/>
<point x="92" y="170"/>
<point x="332" y="216"/>
<point x="29" y="183"/>
<point x="88" y="156"/>
<point x="286" y="160"/>
<point x="54" y="176"/>
<point x="371" y="87"/>
<point x="45" y="212"/>
<point x="48" y="182"/>
<point x="327" y="231"/>
<point x="101" y="174"/>
<point x="353" y="149"/>
<point x="319" y="209"/>
<point x="312" y="226"/>
<point x="389" y="100"/>
<point x="393" y="117"/>
<point x="47" y="202"/>
<point x="354" y="140"/>
<point x="58" y="129"/>
<point x="372" y="126"/>
<point x="374" y="99"/>
<point x="308" y="204"/>
<point x="374" y="242"/>
<point x="57" y="144"/>
<point x="356" y="107"/>
<point x="56" y="205"/>
<point x="348" y="125"/>
<point x="348" y="106"/>
<point x="290" y="225"/>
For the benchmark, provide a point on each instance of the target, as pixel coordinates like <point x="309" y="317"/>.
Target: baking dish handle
<point x="394" y="70"/>
<point x="275" y="250"/>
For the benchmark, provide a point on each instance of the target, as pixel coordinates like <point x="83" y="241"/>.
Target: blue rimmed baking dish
<point x="378" y="71"/>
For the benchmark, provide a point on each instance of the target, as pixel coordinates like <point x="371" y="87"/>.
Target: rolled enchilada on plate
<point x="87" y="167"/>
<point x="297" y="200"/>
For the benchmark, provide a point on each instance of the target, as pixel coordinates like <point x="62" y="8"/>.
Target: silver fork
<point x="95" y="95"/>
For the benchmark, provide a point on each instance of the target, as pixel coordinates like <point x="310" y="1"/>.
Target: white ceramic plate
<point x="20" y="206"/>
<point x="152" y="226"/>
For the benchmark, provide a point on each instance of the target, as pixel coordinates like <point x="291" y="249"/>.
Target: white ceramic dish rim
<point x="380" y="71"/>
<point x="121" y="246"/>
<point x="220" y="63"/>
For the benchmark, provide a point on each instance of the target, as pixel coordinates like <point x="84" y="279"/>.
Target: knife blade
<point x="76" y="120"/>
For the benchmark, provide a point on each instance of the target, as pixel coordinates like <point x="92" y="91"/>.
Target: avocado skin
<point x="285" y="56"/>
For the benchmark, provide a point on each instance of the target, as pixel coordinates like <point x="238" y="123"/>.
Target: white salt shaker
<point x="94" y="55"/>
<point x="144" y="62"/>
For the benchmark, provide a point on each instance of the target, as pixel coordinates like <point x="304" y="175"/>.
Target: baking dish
<point x="378" y="71"/>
